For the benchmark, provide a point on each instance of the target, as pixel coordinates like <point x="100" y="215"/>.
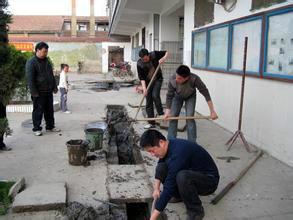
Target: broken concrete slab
<point x="41" y="197"/>
<point x="20" y="184"/>
<point x="128" y="183"/>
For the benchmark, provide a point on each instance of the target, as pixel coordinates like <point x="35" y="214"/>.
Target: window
<point x="279" y="45"/>
<point x="82" y="27"/>
<point x="218" y="48"/>
<point x="252" y="30"/>
<point x="270" y="45"/>
<point x="67" y="26"/>
<point x="199" y="49"/>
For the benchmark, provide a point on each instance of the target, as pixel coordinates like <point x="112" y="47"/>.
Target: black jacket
<point x="143" y="69"/>
<point x="40" y="78"/>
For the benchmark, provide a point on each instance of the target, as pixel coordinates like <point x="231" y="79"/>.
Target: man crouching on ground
<point x="185" y="169"/>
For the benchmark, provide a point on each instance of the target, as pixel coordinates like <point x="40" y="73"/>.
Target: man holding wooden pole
<point x="182" y="89"/>
<point x="146" y="68"/>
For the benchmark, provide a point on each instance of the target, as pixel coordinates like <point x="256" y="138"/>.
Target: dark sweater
<point x="186" y="90"/>
<point x="143" y="68"/>
<point x="40" y="78"/>
<point x="184" y="155"/>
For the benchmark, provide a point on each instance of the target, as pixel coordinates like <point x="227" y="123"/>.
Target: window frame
<point x="265" y="73"/>
<point x="264" y="17"/>
<point x="209" y="44"/>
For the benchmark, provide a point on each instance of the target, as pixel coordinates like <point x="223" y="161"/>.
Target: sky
<point x="55" y="7"/>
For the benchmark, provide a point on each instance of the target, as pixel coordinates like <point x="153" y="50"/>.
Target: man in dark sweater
<point x="42" y="84"/>
<point x="146" y="67"/>
<point x="182" y="88"/>
<point x="185" y="169"/>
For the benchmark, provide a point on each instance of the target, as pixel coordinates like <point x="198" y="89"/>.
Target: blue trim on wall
<point x="267" y="17"/>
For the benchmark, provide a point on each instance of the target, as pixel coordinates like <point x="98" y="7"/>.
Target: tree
<point x="12" y="65"/>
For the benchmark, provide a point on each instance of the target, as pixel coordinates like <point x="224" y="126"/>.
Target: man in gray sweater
<point x="182" y="89"/>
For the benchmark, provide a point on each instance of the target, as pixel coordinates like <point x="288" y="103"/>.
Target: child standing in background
<point x="63" y="87"/>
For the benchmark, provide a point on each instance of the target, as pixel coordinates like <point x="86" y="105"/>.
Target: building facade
<point x="208" y="36"/>
<point x="80" y="41"/>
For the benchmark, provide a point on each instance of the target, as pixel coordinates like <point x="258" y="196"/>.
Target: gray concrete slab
<point x="41" y="197"/>
<point x="128" y="183"/>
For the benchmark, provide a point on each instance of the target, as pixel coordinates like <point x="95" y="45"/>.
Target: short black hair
<point x="41" y="45"/>
<point x="183" y="71"/>
<point x="151" y="138"/>
<point x="143" y="52"/>
<point x="63" y="65"/>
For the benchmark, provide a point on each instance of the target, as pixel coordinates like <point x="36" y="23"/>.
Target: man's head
<point x="154" y="142"/>
<point x="41" y="50"/>
<point x="182" y="74"/>
<point x="64" y="67"/>
<point x="144" y="55"/>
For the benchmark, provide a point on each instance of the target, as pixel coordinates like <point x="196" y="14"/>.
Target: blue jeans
<point x="154" y="97"/>
<point x="177" y="104"/>
<point x="63" y="99"/>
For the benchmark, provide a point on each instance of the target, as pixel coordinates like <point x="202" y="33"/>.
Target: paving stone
<point x="16" y="187"/>
<point x="41" y="197"/>
<point x="128" y="183"/>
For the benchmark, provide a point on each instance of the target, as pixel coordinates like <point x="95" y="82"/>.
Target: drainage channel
<point x="127" y="182"/>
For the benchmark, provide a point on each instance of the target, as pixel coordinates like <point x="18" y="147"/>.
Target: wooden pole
<point x="173" y="118"/>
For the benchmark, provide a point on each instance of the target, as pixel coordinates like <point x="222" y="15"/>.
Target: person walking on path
<point x="63" y="88"/>
<point x="146" y="67"/>
<point x="186" y="171"/>
<point x="182" y="89"/>
<point x="42" y="85"/>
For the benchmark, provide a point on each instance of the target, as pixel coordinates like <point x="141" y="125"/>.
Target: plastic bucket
<point x="95" y="138"/>
<point x="77" y="152"/>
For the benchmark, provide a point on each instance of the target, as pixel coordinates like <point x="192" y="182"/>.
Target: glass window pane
<point x="218" y="49"/>
<point x="280" y="45"/>
<point x="252" y="30"/>
<point x="199" y="49"/>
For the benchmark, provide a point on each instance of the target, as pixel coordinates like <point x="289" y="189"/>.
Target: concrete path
<point x="265" y="192"/>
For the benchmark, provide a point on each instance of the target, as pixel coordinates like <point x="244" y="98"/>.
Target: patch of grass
<point x="5" y="201"/>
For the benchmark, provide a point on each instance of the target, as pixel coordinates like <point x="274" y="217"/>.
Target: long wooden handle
<point x="173" y="118"/>
<point x="227" y="188"/>
<point x="150" y="83"/>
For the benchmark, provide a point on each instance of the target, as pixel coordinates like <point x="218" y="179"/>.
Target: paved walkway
<point x="265" y="192"/>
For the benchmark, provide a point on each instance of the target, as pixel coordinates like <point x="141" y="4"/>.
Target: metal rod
<point x="227" y="188"/>
<point x="243" y="84"/>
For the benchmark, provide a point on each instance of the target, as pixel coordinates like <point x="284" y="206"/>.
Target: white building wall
<point x="169" y="28"/>
<point x="105" y="46"/>
<point x="267" y="112"/>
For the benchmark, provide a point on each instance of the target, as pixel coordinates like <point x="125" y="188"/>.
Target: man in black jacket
<point x="146" y="67"/>
<point x="42" y="84"/>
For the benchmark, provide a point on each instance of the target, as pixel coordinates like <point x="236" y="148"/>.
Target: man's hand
<point x="167" y="114"/>
<point x="213" y="115"/>
<point x="55" y="90"/>
<point x="155" y="215"/>
<point x="145" y="92"/>
<point x="156" y="193"/>
<point x="162" y="60"/>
